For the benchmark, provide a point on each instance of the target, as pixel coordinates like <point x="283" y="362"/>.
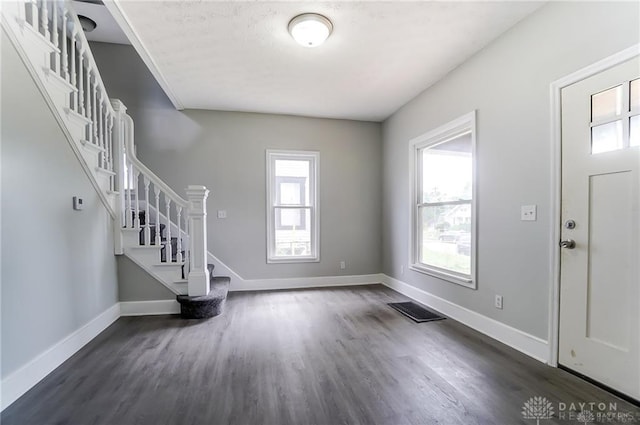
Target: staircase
<point x="162" y="232"/>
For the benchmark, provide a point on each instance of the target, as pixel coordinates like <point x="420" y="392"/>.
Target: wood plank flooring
<point x="321" y="356"/>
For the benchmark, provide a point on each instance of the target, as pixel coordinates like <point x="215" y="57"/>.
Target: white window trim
<point x="314" y="199"/>
<point x="443" y="133"/>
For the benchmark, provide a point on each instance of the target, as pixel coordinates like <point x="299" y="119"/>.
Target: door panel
<point x="600" y="279"/>
<point x="608" y="275"/>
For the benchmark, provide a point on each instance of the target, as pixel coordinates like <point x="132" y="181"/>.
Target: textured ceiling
<point x="238" y="56"/>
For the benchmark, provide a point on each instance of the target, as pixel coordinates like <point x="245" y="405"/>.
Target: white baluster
<point x="55" y="36"/>
<point x="81" y="82"/>
<point x="110" y="143"/>
<point x="168" y="246"/>
<point x="32" y="6"/>
<point x="94" y="96"/>
<point x="179" y="250"/>
<point x="64" y="72"/>
<point x="129" y="208"/>
<point x="87" y="104"/>
<point x="105" y="144"/>
<point x="136" y="218"/>
<point x="151" y="195"/>
<point x="147" y="217"/>
<point x="100" y="124"/>
<point x="73" y="66"/>
<point x="105" y="134"/>
<point x="44" y="17"/>
<point x="157" y="193"/>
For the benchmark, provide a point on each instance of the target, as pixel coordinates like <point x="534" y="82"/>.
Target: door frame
<point x="556" y="183"/>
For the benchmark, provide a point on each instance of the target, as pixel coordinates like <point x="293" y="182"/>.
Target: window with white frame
<point x="292" y="206"/>
<point x="443" y="205"/>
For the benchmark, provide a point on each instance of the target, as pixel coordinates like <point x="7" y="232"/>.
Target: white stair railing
<point x="108" y="131"/>
<point x="72" y="62"/>
<point x="164" y="206"/>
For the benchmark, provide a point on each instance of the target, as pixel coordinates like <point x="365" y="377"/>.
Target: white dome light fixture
<point x="310" y="29"/>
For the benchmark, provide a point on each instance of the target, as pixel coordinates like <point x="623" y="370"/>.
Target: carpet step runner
<point x="206" y="306"/>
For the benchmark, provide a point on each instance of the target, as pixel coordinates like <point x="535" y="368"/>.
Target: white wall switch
<point x="528" y="213"/>
<point x="498" y="302"/>
<point x="78" y="203"/>
<point x="343" y="265"/>
<point x="222" y="213"/>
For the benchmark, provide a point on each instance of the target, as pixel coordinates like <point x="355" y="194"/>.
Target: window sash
<point x="464" y="125"/>
<point x="310" y="206"/>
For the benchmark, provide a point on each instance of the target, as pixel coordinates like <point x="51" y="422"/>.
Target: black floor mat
<point x="416" y="312"/>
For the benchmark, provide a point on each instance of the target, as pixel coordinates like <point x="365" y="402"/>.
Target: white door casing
<point x="599" y="329"/>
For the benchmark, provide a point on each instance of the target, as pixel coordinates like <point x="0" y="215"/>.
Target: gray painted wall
<point x="135" y="284"/>
<point x="226" y="152"/>
<point x="58" y="267"/>
<point x="508" y="83"/>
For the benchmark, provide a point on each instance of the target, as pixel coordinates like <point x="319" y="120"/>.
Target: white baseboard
<point x="20" y="381"/>
<point x="528" y="344"/>
<point x="148" y="308"/>
<point x="304" y="282"/>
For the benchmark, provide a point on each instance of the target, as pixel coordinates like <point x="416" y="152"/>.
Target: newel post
<point x="198" y="274"/>
<point x="118" y="168"/>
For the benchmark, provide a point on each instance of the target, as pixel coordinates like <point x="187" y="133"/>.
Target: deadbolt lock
<point x="570" y="224"/>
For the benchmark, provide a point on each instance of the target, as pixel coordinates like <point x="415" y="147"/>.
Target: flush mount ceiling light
<point x="87" y="24"/>
<point x="310" y="29"/>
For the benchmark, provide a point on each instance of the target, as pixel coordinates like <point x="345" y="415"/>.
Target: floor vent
<point x="416" y="312"/>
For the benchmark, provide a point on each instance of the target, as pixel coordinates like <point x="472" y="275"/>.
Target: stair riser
<point x="168" y="273"/>
<point x="145" y="256"/>
<point x="90" y="155"/>
<point x="77" y="128"/>
<point x="103" y="180"/>
<point x="38" y="50"/>
<point x="57" y="88"/>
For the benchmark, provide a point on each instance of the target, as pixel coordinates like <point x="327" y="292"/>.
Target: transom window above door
<point x="615" y="118"/>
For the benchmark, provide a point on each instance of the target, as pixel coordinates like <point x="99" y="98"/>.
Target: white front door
<point x="600" y="278"/>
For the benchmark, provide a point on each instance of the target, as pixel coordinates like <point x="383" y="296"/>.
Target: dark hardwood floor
<point x="321" y="356"/>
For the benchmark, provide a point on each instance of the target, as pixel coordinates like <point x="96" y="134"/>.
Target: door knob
<point x="568" y="244"/>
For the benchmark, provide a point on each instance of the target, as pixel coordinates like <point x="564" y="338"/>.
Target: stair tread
<point x="164" y="264"/>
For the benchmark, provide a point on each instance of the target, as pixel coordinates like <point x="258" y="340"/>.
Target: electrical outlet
<point x="222" y="213"/>
<point x="343" y="265"/>
<point x="528" y="213"/>
<point x="498" y="302"/>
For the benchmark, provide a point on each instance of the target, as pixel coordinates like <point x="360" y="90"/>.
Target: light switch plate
<point x="222" y="213"/>
<point x="528" y="213"/>
<point x="78" y="203"/>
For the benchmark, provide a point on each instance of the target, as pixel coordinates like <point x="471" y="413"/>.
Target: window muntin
<point x="443" y="210"/>
<point x="615" y="118"/>
<point x="292" y="222"/>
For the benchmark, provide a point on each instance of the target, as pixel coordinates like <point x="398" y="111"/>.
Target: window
<point x="443" y="202"/>
<point x="292" y="206"/>
<point x="615" y="118"/>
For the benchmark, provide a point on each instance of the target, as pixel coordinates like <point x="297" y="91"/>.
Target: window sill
<point x="467" y="282"/>
<point x="291" y="260"/>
